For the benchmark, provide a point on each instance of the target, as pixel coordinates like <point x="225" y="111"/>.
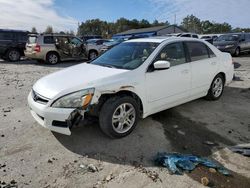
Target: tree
<point x="33" y="30"/>
<point x="49" y="30"/>
<point x="192" y="24"/>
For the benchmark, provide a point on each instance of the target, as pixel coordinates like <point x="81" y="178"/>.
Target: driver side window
<point x="173" y="53"/>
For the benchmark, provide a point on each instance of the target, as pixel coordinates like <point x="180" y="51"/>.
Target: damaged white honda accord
<point x="133" y="80"/>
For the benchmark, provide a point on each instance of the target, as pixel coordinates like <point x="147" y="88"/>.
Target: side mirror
<point x="161" y="65"/>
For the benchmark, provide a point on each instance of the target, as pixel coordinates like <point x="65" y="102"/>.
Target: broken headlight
<point x="79" y="99"/>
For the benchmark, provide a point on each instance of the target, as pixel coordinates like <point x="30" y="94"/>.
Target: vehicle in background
<point x="133" y="80"/>
<point x="12" y="44"/>
<point x="93" y="47"/>
<point x="113" y="42"/>
<point x="191" y="35"/>
<point x="53" y="48"/>
<point x="233" y="43"/>
<point x="87" y="37"/>
<point x="209" y="38"/>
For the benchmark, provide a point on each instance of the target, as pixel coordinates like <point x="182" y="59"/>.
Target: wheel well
<point x="224" y="76"/>
<point x="53" y="52"/>
<point x="95" y="109"/>
<point x="92" y="50"/>
<point x="18" y="49"/>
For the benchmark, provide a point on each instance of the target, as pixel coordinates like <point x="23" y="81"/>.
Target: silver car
<point x="53" y="48"/>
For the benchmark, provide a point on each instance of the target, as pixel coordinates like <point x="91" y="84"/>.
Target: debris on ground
<point x="241" y="150"/>
<point x="205" y="181"/>
<point x="89" y="168"/>
<point x="209" y="143"/>
<point x="177" y="163"/>
<point x="181" y="132"/>
<point x="12" y="184"/>
<point x="154" y="176"/>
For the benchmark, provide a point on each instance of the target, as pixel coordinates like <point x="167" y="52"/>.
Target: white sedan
<point x="131" y="81"/>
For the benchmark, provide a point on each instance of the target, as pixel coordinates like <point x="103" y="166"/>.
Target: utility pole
<point x="174" y="22"/>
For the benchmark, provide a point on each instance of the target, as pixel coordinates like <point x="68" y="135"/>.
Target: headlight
<point x="229" y="46"/>
<point x="79" y="99"/>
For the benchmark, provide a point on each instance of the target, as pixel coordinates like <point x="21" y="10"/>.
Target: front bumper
<point x="46" y="116"/>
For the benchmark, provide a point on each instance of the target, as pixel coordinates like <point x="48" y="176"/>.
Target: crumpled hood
<point x="72" y="79"/>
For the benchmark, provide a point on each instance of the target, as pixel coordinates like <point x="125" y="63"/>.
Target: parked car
<point x="88" y="37"/>
<point x="12" y="44"/>
<point x="94" y="46"/>
<point x="133" y="80"/>
<point x="209" y="38"/>
<point x="191" y="35"/>
<point x="53" y="48"/>
<point x="113" y="42"/>
<point x="233" y="43"/>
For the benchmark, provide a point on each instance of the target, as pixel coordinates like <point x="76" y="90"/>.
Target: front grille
<point x="38" y="98"/>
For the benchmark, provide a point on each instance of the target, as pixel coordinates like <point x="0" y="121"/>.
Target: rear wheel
<point x="52" y="58"/>
<point x="13" y="55"/>
<point x="216" y="88"/>
<point x="119" y="116"/>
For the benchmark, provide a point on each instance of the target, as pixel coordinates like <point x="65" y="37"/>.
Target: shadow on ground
<point x="63" y="64"/>
<point x="153" y="134"/>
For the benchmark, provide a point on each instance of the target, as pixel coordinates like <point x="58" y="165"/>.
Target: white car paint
<point x="158" y="90"/>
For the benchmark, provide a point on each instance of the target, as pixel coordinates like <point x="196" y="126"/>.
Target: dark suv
<point x="234" y="43"/>
<point x="12" y="44"/>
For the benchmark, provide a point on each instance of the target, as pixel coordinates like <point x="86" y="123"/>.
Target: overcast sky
<point x="65" y="14"/>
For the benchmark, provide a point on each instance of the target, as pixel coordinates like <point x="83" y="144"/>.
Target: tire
<point x="116" y="126"/>
<point x="13" y="55"/>
<point x="237" y="52"/>
<point x="216" y="88"/>
<point x="92" y="55"/>
<point x="52" y="58"/>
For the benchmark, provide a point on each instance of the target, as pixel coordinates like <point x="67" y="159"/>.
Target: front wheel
<point x="119" y="116"/>
<point x="216" y="88"/>
<point x="13" y="55"/>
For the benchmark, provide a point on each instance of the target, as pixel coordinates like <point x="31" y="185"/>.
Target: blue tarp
<point x="177" y="163"/>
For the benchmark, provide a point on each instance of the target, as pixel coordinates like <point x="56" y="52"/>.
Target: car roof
<point x="160" y="39"/>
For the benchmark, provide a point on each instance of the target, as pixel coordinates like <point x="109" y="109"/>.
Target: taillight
<point x="37" y="48"/>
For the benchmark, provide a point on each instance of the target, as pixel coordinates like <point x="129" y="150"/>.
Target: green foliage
<point x="49" y="30"/>
<point x="33" y="30"/>
<point x="107" y="29"/>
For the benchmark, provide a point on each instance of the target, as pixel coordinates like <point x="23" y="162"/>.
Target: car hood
<point x="72" y="79"/>
<point x="224" y="43"/>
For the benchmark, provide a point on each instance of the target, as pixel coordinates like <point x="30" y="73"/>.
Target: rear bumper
<point x="46" y="115"/>
<point x="34" y="55"/>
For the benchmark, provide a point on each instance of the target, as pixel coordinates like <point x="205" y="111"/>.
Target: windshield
<point x="228" y="38"/>
<point x="128" y="55"/>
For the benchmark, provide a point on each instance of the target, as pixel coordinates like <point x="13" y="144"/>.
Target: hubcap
<point x="53" y="59"/>
<point x="14" y="55"/>
<point x="217" y="87"/>
<point x="123" y="118"/>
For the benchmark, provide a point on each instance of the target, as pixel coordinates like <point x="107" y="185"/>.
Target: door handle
<point x="186" y="71"/>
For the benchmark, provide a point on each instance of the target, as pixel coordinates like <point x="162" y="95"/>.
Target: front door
<point x="76" y="47"/>
<point x="167" y="87"/>
<point x="62" y="45"/>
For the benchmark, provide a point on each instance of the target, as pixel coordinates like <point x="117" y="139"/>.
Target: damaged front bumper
<point x="56" y="119"/>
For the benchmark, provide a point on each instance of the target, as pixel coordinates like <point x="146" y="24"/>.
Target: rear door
<point x="204" y="66"/>
<point x="5" y="41"/>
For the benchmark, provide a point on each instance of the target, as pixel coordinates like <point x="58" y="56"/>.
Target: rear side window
<point x="48" y="40"/>
<point x="195" y="36"/>
<point x="197" y="51"/>
<point x="173" y="53"/>
<point x="211" y="53"/>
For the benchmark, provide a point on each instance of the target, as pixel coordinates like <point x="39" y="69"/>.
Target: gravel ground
<point x="31" y="156"/>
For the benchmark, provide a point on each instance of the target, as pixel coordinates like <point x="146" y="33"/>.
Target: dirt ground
<point x="31" y="156"/>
